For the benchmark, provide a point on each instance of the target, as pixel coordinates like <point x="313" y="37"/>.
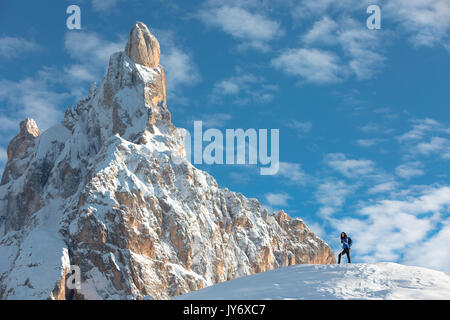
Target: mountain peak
<point x="29" y="126"/>
<point x="143" y="47"/>
<point x="102" y="192"/>
<point x="20" y="149"/>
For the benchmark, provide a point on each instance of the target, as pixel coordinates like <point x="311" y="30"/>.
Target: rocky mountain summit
<point x="110" y="190"/>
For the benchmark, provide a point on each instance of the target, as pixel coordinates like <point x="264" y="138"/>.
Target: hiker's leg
<point x="339" y="258"/>
<point x="348" y="255"/>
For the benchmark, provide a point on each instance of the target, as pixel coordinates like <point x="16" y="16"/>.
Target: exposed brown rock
<point x="20" y="149"/>
<point x="142" y="46"/>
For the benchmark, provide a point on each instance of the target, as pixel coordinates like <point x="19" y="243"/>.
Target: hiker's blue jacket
<point x="345" y="243"/>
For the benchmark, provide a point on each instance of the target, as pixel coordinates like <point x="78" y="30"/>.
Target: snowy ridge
<point x="389" y="281"/>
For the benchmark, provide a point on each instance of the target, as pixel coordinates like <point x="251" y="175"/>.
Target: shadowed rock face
<point x="110" y="190"/>
<point x="19" y="150"/>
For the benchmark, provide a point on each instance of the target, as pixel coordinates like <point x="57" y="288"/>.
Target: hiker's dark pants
<point x="347" y="251"/>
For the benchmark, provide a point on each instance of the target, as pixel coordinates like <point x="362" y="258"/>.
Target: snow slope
<point x="350" y="281"/>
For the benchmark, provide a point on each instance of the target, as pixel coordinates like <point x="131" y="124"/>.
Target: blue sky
<point x="363" y="114"/>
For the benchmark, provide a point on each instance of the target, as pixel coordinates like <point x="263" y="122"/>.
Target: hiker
<point x="346" y="244"/>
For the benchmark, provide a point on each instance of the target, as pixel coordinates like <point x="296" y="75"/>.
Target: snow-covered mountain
<point x="349" y="281"/>
<point x="110" y="190"/>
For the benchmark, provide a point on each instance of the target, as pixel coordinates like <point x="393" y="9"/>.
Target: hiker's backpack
<point x="349" y="242"/>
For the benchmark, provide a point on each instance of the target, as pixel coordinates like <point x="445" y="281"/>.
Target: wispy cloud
<point x="212" y="120"/>
<point x="179" y="64"/>
<point x="383" y="187"/>
<point x="434" y="254"/>
<point x="368" y="142"/>
<point x="311" y="65"/>
<point x="14" y="47"/>
<point x="427" y="137"/>
<point x="3" y="155"/>
<point x="410" y="169"/>
<point x="301" y="127"/>
<point x="391" y="228"/>
<point x="3" y="160"/>
<point x="422" y="127"/>
<point x="277" y="199"/>
<point x="371" y="128"/>
<point x="244" y="88"/>
<point x="305" y="8"/>
<point x="104" y="5"/>
<point x="435" y="145"/>
<point x="350" y="168"/>
<point x="332" y="193"/>
<point x="292" y="172"/>
<point x="91" y="53"/>
<point x="322" y="32"/>
<point x="32" y="97"/>
<point x="253" y="29"/>
<point x="359" y="48"/>
<point x="426" y="21"/>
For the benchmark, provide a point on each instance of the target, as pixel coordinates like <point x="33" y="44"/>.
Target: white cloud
<point x="435" y="145"/>
<point x="104" y="5"/>
<point x="383" y="187"/>
<point x="433" y="252"/>
<point x="322" y="32"/>
<point x="3" y="155"/>
<point x="179" y="64"/>
<point x="245" y="88"/>
<point x="326" y="211"/>
<point x="392" y="226"/>
<point x="277" y="199"/>
<point x="350" y="168"/>
<point x="80" y="72"/>
<point x="92" y="54"/>
<point x="31" y="97"/>
<point x="410" y="169"/>
<point x="371" y="128"/>
<point x="332" y="193"/>
<point x="181" y="70"/>
<point x="368" y="142"/>
<point x="307" y="8"/>
<point x="12" y="47"/>
<point x="423" y="139"/>
<point x="421" y="128"/>
<point x="292" y="172"/>
<point x="300" y="127"/>
<point x="360" y="48"/>
<point x="91" y="47"/>
<point x="213" y="120"/>
<point x="6" y="123"/>
<point x="311" y="65"/>
<point x="253" y="29"/>
<point x="426" y="21"/>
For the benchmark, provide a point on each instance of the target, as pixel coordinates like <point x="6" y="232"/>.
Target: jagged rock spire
<point x="19" y="150"/>
<point x="29" y="126"/>
<point x="142" y="46"/>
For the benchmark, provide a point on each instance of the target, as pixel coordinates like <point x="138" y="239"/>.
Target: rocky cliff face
<point x="110" y="190"/>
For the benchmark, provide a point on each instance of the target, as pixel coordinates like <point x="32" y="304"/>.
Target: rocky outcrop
<point x="143" y="47"/>
<point x="19" y="150"/>
<point x="109" y="190"/>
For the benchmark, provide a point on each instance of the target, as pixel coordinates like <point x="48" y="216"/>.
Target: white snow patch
<point x="351" y="281"/>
